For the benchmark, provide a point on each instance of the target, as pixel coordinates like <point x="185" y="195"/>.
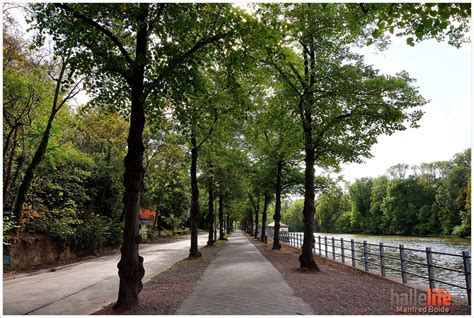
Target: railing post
<point x="403" y="263"/>
<point x="353" y="253"/>
<point x="333" y="249"/>
<point x="326" y="245"/>
<point x="342" y="250"/>
<point x="366" y="257"/>
<point x="301" y="239"/>
<point x="429" y="262"/>
<point x="382" y="260"/>
<point x="466" y="260"/>
<point x="319" y="240"/>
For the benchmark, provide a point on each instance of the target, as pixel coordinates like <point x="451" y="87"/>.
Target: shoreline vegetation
<point x="429" y="200"/>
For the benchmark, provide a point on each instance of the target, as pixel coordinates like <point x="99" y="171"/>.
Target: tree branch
<point x="99" y="28"/>
<point x="178" y="59"/>
<point x="210" y="130"/>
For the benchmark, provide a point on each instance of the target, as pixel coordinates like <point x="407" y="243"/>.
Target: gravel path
<point x="241" y="281"/>
<point x="339" y="289"/>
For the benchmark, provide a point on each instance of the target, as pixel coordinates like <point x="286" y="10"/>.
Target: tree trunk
<point x="306" y="258"/>
<point x="251" y="224"/>
<point x="264" y="217"/>
<point x="30" y="171"/>
<point x="194" y="252"/>
<point x="228" y="224"/>
<point x="6" y="142"/>
<point x="277" y="215"/>
<point x="8" y="174"/>
<point x="221" y="217"/>
<point x="256" y="220"/>
<point x="19" y="167"/>
<point x="215" y="227"/>
<point x="131" y="270"/>
<point x="130" y="266"/>
<point x="156" y="223"/>
<point x="210" y="215"/>
<point x="40" y="151"/>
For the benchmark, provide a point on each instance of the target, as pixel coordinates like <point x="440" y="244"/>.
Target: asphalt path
<point x="85" y="287"/>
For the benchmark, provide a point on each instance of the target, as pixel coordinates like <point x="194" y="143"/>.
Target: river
<point x="451" y="245"/>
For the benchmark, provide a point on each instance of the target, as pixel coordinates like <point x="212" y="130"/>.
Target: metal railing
<point x="396" y="260"/>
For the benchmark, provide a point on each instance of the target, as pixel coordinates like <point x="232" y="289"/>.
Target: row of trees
<point x="240" y="107"/>
<point x="429" y="199"/>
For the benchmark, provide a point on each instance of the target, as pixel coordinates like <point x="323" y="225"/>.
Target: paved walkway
<point x="240" y="281"/>
<point x="84" y="287"/>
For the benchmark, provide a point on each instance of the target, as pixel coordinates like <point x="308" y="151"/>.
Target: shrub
<point x="59" y="224"/>
<point x="92" y="234"/>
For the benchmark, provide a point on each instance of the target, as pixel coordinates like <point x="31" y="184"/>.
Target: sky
<point x="443" y="75"/>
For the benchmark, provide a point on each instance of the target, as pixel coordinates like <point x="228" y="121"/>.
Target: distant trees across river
<point x="429" y="199"/>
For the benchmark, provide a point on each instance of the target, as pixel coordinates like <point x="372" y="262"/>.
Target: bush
<point x="92" y="234"/>
<point x="8" y="226"/>
<point x="59" y="224"/>
<point x="115" y="233"/>
<point x="88" y="232"/>
<point x="144" y="232"/>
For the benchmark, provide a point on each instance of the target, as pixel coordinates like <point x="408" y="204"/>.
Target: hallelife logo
<point x="435" y="300"/>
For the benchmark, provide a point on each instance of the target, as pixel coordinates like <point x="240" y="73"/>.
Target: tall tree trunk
<point x="210" y="215"/>
<point x="30" y="171"/>
<point x="19" y="167"/>
<point x="41" y="150"/>
<point x="306" y="258"/>
<point x="8" y="174"/>
<point x="256" y="221"/>
<point x="264" y="216"/>
<point x="194" y="252"/>
<point x="156" y="223"/>
<point x="215" y="227"/>
<point x="277" y="215"/>
<point x="251" y="224"/>
<point x="228" y="224"/>
<point x="130" y="266"/>
<point x="221" y="217"/>
<point x="131" y="270"/>
<point x="6" y="142"/>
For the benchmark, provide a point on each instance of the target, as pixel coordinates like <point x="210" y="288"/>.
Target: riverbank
<point x="338" y="289"/>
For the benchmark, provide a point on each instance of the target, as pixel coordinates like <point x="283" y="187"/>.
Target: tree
<point x="63" y="92"/>
<point x="419" y="21"/>
<point x="360" y="192"/>
<point x="117" y="45"/>
<point x="452" y="193"/>
<point x="398" y="171"/>
<point x="291" y="215"/>
<point x="404" y="203"/>
<point x="331" y="210"/>
<point x="377" y="222"/>
<point x="273" y="134"/>
<point x="343" y="104"/>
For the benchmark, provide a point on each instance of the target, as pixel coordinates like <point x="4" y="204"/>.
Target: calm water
<point x="437" y="244"/>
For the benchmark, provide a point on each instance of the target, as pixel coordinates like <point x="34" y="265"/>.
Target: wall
<point x="30" y="250"/>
